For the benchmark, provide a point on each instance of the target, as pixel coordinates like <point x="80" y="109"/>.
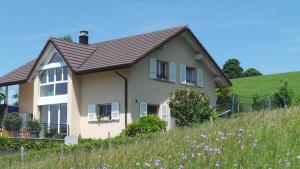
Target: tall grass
<point x="253" y="140"/>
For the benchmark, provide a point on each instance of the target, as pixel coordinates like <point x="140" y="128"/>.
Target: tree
<point x="284" y="96"/>
<point x="232" y="69"/>
<point x="16" y="97"/>
<point x="252" y="72"/>
<point x="67" y="38"/>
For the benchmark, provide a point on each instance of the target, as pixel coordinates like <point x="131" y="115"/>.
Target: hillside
<point x="267" y="84"/>
<point x="250" y="140"/>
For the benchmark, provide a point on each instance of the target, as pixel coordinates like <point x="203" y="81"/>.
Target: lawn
<point x="249" y="140"/>
<point x="263" y="85"/>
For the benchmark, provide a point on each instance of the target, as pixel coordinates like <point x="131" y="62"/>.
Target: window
<point x="55" y="116"/>
<point x="152" y="109"/>
<point x="190" y="76"/>
<point x="162" y="70"/>
<point x="104" y="112"/>
<point x="54" y="81"/>
<point x="56" y="58"/>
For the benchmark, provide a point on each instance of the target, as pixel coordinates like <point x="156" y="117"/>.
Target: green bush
<point x="284" y="96"/>
<point x="145" y="125"/>
<point x="189" y="106"/>
<point x="12" y="122"/>
<point x="34" y="125"/>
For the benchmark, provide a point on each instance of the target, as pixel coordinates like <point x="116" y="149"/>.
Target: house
<point x="101" y="87"/>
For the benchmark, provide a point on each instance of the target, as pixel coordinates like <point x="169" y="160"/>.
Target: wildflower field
<point x="248" y="141"/>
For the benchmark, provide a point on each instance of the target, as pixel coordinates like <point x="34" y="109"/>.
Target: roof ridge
<point x="74" y="43"/>
<point x="182" y="27"/>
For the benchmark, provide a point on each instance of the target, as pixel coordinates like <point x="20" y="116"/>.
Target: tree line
<point x="232" y="69"/>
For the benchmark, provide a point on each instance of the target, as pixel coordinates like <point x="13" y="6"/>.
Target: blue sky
<point x="261" y="34"/>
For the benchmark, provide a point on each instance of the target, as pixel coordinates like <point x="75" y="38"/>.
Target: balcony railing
<point x="47" y="130"/>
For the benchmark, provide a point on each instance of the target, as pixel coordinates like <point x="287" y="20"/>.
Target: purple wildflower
<point x="181" y="167"/>
<point x="205" y="148"/>
<point x="157" y="162"/>
<point x="193" y="155"/>
<point x="217" y="151"/>
<point x="241" y="130"/>
<point x="250" y="135"/>
<point x="298" y="157"/>
<point x="202" y="136"/>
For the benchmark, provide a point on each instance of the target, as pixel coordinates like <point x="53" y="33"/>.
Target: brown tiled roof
<point x="112" y="54"/>
<point x="19" y="75"/>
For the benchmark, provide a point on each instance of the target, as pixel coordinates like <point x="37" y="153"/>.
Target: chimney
<point x="84" y="37"/>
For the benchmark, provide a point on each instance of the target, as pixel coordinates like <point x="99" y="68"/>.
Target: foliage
<point x="145" y="125"/>
<point x="224" y="98"/>
<point x="34" y="125"/>
<point x="67" y="38"/>
<point x="248" y="140"/>
<point x="252" y="72"/>
<point x="12" y="121"/>
<point x="16" y="143"/>
<point x="258" y="102"/>
<point x="284" y="95"/>
<point x="232" y="69"/>
<point x="267" y="84"/>
<point x="189" y="106"/>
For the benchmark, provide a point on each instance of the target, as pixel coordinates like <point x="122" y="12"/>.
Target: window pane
<point x="58" y="74"/>
<point x="44" y="114"/>
<point x="65" y="72"/>
<point x="47" y="90"/>
<point x="55" y="58"/>
<point x="44" y="77"/>
<point x="190" y="74"/>
<point x="61" y="88"/>
<point x="105" y="111"/>
<point x="152" y="110"/>
<point x="51" y="75"/>
<point x="54" y="116"/>
<point x="63" y="113"/>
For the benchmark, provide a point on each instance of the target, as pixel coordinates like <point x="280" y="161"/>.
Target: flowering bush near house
<point x="189" y="106"/>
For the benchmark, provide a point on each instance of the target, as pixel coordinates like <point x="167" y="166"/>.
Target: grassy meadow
<point x="263" y="85"/>
<point x="248" y="141"/>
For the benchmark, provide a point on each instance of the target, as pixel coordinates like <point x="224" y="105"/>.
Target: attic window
<point x="56" y="58"/>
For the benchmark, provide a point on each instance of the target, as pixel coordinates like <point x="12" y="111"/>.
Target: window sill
<point x="104" y="121"/>
<point x="163" y="80"/>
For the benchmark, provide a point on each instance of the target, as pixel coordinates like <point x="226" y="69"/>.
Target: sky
<point x="261" y="34"/>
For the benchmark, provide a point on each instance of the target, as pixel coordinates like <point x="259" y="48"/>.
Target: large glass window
<point x="55" y="117"/>
<point x="54" y="82"/>
<point x="104" y="111"/>
<point x="162" y="70"/>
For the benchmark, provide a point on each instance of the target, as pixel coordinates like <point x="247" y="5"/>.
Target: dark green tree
<point x="67" y="38"/>
<point x="232" y="69"/>
<point x="252" y="72"/>
<point x="284" y="96"/>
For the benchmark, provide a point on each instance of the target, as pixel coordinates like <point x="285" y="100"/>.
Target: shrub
<point x="12" y="122"/>
<point x="145" y="125"/>
<point x="284" y="95"/>
<point x="189" y="106"/>
<point x="34" y="125"/>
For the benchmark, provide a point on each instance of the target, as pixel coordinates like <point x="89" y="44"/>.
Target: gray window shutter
<point x="200" y="77"/>
<point x="92" y="110"/>
<point x="143" y="109"/>
<point x="172" y="72"/>
<point x="164" y="113"/>
<point x="182" y="74"/>
<point x="152" y="71"/>
<point x="115" y="111"/>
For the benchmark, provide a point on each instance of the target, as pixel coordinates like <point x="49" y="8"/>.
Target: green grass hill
<point x="263" y="85"/>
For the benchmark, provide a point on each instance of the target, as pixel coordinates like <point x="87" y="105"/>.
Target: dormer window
<point x="54" y="77"/>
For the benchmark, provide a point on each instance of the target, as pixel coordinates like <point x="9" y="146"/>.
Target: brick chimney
<point x="84" y="37"/>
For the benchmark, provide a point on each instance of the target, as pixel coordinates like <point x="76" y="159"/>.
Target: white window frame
<point x="54" y="82"/>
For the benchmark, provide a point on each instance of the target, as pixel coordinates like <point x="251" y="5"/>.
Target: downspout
<point x="126" y="95"/>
